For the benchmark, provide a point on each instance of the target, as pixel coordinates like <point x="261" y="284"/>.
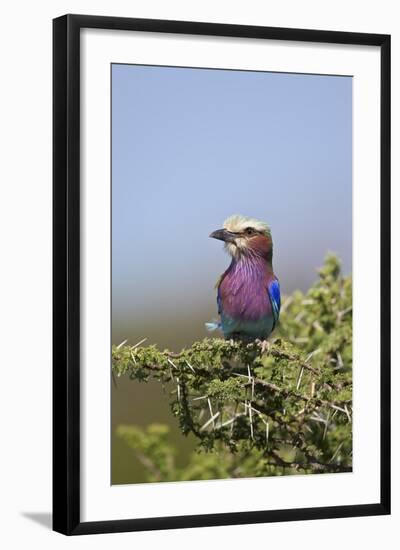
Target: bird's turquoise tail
<point x="214" y="325"/>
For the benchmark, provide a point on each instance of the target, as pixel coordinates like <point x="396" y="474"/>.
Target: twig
<point x="336" y="452"/>
<point x="251" y="381"/>
<point x="138" y="344"/>
<point x="121" y="344"/>
<point x="172" y="363"/>
<point x="190" y="366"/>
<point x="347" y="412"/>
<point x="231" y="420"/>
<point x="211" y="411"/>
<point x="326" y="425"/>
<point x="251" y="422"/>
<point x="299" y="378"/>
<point x="198" y="398"/>
<point x="287" y="393"/>
<point x="212" y="419"/>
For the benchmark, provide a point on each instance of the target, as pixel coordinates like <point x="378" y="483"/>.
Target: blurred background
<point x="190" y="147"/>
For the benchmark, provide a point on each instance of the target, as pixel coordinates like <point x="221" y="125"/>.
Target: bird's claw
<point x="264" y="345"/>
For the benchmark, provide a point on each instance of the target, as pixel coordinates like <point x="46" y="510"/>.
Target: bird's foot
<point x="264" y="345"/>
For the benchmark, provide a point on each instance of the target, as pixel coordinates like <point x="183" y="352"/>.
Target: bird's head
<point x="244" y="236"/>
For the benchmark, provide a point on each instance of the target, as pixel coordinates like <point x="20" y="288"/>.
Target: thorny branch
<point x="286" y="405"/>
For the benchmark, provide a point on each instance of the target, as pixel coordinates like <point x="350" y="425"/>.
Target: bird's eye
<point x="249" y="231"/>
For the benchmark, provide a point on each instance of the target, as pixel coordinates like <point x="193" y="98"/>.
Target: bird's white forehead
<point x="238" y="223"/>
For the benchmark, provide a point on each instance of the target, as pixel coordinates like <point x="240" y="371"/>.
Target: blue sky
<point x="191" y="147"/>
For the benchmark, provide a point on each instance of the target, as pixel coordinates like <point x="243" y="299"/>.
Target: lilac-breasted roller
<point x="248" y="293"/>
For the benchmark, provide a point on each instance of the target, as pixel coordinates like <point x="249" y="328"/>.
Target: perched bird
<point x="248" y="293"/>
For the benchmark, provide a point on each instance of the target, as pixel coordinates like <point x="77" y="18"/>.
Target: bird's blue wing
<point x="274" y="293"/>
<point x="219" y="301"/>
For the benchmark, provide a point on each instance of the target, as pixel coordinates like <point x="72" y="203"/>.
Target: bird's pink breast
<point x="243" y="291"/>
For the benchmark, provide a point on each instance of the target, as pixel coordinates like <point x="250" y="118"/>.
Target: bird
<point x="248" y="292"/>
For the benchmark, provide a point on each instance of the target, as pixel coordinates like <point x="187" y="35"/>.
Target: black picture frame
<point x="66" y="273"/>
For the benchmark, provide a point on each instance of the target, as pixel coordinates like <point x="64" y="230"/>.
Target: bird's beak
<point x="223" y="235"/>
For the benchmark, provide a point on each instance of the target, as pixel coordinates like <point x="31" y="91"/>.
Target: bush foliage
<point x="256" y="408"/>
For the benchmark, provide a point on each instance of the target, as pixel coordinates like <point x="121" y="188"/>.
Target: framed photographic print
<point x="221" y="274"/>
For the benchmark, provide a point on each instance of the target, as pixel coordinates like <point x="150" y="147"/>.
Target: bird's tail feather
<point x="214" y="325"/>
